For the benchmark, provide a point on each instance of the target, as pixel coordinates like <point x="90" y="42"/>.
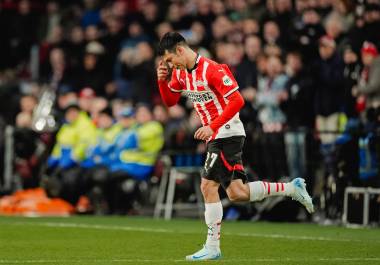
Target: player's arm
<point x="170" y="91"/>
<point x="225" y="83"/>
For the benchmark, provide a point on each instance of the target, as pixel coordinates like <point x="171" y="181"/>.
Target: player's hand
<point x="203" y="133"/>
<point x="162" y="71"/>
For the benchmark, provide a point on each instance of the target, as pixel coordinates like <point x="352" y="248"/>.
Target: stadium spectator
<point x="162" y="28"/>
<point x="29" y="151"/>
<point x="369" y="83"/>
<point x="73" y="140"/>
<point x="138" y="70"/>
<point x="76" y="46"/>
<point x="271" y="34"/>
<point x="28" y="103"/>
<point x="246" y="72"/>
<point x="351" y="72"/>
<point x="284" y="15"/>
<point x="51" y="20"/>
<point x="111" y="41"/>
<point x="107" y="130"/>
<point x="137" y="156"/>
<point x="271" y="92"/>
<point x="250" y="27"/>
<point x="299" y="111"/>
<point x="335" y="29"/>
<point x="221" y="27"/>
<point x="92" y="73"/>
<point x="91" y="15"/>
<point x="328" y="78"/>
<point x="85" y="99"/>
<point x="22" y="31"/>
<point x="134" y="156"/>
<point x="59" y="74"/>
<point x="307" y="31"/>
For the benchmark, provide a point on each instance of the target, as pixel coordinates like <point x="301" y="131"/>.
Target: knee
<point x="235" y="196"/>
<point x="205" y="188"/>
<point x="208" y="188"/>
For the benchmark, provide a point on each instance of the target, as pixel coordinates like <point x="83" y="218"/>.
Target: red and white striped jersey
<point x="208" y="86"/>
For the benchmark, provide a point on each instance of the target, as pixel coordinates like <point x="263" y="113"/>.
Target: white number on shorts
<point x="210" y="160"/>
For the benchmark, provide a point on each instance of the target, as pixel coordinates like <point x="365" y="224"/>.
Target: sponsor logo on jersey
<point x="198" y="97"/>
<point x="227" y="80"/>
<point x="200" y="83"/>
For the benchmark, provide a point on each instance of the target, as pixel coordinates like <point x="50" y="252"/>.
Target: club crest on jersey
<point x="198" y="97"/>
<point x="227" y="81"/>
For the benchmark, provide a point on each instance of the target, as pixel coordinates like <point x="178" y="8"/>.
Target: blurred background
<point x="83" y="129"/>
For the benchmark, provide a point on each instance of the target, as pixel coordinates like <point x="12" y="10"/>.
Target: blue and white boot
<point x="301" y="195"/>
<point x="206" y="253"/>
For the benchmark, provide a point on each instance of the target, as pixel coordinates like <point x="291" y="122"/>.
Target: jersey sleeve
<point x="170" y="91"/>
<point x="221" y="78"/>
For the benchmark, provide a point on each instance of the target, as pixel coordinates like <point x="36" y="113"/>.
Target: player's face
<point x="175" y="59"/>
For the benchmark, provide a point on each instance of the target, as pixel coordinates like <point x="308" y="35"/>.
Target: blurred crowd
<point x="308" y="70"/>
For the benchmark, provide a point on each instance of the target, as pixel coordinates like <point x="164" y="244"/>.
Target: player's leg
<point x="213" y="206"/>
<point x="213" y="219"/>
<point x="213" y="211"/>
<point x="239" y="190"/>
<point x="258" y="190"/>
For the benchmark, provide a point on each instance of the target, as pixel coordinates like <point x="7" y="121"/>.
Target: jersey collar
<point x="196" y="63"/>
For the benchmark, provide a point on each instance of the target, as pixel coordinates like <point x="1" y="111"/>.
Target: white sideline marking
<point x="101" y="227"/>
<point x="9" y="261"/>
<point x="159" y="230"/>
<point x="318" y="238"/>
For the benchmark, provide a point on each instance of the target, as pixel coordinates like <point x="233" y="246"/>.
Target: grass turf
<point x="126" y="240"/>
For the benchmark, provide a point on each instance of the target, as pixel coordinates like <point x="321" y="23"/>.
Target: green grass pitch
<point x="126" y="240"/>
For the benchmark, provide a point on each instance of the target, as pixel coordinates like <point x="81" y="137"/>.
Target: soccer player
<point x="215" y="96"/>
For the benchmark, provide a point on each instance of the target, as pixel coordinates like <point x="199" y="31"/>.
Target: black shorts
<point x="223" y="162"/>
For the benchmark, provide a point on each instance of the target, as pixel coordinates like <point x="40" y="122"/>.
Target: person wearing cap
<point x="328" y="78"/>
<point x="369" y="83"/>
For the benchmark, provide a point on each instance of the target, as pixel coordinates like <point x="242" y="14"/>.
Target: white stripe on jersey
<point x="178" y="72"/>
<point x="215" y="100"/>
<point x="174" y="90"/>
<point x="187" y="83"/>
<point x="194" y="76"/>
<point x="231" y="91"/>
<point x="205" y="66"/>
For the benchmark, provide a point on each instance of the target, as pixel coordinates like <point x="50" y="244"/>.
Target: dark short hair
<point x="169" y="42"/>
<point x="295" y="54"/>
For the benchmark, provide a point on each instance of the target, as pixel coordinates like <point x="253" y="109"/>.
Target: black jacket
<point x="328" y="80"/>
<point x="299" y="105"/>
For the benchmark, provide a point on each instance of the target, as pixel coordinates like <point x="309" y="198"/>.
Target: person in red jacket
<point x="214" y="92"/>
